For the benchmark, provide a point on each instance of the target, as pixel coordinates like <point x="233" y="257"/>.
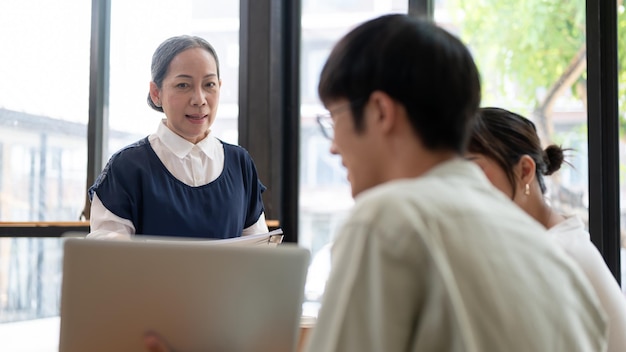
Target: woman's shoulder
<point x="570" y="230"/>
<point x="124" y="164"/>
<point x="131" y="152"/>
<point x="233" y="147"/>
<point x="234" y="150"/>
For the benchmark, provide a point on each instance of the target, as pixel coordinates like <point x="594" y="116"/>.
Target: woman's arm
<point x="259" y="227"/>
<point x="611" y="297"/>
<point x="106" y="225"/>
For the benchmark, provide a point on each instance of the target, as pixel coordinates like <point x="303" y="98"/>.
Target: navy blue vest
<point x="135" y="185"/>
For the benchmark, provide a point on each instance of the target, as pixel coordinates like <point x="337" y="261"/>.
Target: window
<point x="44" y="106"/>
<point x="521" y="68"/>
<point x="44" y="97"/>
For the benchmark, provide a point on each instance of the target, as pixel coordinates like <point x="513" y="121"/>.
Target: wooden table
<point x="42" y="228"/>
<point x="59" y="228"/>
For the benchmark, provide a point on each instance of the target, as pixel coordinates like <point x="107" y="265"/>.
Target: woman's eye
<point x="210" y="84"/>
<point x="182" y="85"/>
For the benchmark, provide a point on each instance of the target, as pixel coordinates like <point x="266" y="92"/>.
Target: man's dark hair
<point x="420" y="65"/>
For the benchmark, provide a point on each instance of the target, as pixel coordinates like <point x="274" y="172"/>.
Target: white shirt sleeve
<point x="607" y="289"/>
<point x="106" y="225"/>
<point x="574" y="239"/>
<point x="259" y="227"/>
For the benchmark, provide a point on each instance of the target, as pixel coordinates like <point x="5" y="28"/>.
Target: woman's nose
<point x="198" y="98"/>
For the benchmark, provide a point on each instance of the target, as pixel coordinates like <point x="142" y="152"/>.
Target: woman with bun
<point x="507" y="148"/>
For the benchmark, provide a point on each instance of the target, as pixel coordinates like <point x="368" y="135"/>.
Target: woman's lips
<point x="196" y="118"/>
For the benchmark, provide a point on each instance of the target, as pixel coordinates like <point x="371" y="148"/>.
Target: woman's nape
<point x="507" y="148"/>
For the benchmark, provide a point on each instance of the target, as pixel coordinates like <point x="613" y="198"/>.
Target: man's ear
<point x="525" y="170"/>
<point x="155" y="94"/>
<point x="384" y="112"/>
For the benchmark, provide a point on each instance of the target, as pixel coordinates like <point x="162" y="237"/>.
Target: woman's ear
<point x="155" y="94"/>
<point x="525" y="170"/>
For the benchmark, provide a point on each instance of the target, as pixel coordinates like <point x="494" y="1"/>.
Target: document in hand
<point x="270" y="239"/>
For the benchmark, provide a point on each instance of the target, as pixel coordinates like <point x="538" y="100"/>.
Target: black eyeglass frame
<point x="325" y="121"/>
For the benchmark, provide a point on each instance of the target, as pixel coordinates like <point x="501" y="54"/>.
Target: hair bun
<point x="553" y="157"/>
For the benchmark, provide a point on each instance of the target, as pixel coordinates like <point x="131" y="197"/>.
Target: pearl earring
<point x="527" y="190"/>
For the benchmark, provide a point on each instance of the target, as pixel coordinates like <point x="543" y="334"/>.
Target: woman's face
<point x="494" y="172"/>
<point x="189" y="94"/>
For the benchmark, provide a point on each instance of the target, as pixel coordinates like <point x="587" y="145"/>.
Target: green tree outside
<point x="535" y="51"/>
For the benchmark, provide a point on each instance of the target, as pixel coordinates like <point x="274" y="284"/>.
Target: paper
<point x="270" y="239"/>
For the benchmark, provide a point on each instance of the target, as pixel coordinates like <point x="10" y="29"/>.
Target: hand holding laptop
<point x="156" y="343"/>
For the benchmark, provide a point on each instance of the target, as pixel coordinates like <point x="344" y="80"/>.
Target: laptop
<point x="197" y="297"/>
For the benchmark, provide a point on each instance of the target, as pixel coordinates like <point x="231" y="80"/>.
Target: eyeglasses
<point x="327" y="125"/>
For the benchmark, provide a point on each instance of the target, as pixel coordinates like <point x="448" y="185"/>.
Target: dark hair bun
<point x="553" y="157"/>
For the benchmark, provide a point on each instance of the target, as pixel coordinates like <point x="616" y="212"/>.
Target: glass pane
<point x="137" y="28"/>
<point x="30" y="289"/>
<point x="44" y="98"/>
<point x="325" y="193"/>
<point x="621" y="38"/>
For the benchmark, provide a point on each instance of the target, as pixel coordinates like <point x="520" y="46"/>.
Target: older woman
<point x="181" y="180"/>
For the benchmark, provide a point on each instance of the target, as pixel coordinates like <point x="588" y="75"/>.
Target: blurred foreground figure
<point x="433" y="257"/>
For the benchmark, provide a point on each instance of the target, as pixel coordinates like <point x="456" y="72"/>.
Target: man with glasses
<point x="432" y="257"/>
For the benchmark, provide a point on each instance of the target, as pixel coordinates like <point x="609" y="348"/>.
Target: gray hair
<point x="167" y="51"/>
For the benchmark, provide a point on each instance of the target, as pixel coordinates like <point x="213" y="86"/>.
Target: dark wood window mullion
<point x="98" y="124"/>
<point x="603" y="139"/>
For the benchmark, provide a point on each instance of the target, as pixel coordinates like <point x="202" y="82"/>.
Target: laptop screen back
<point x="198" y="297"/>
